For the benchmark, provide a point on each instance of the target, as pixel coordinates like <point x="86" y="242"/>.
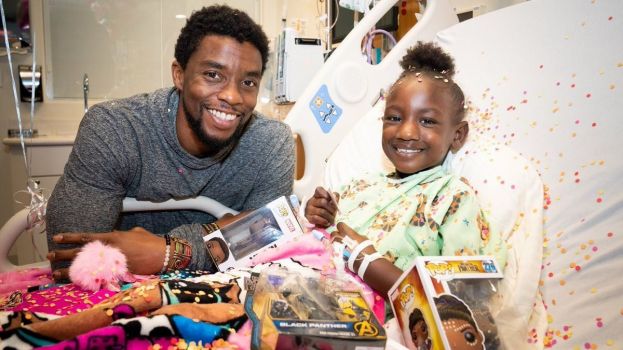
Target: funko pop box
<point x="238" y="242"/>
<point x="291" y="310"/>
<point x="443" y="302"/>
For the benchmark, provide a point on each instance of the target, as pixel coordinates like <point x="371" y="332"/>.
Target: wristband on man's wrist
<point x="182" y="254"/>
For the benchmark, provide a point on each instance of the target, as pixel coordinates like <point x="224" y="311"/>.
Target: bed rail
<point x="18" y="223"/>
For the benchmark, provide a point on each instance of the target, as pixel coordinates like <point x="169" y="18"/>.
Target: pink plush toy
<point x="100" y="266"/>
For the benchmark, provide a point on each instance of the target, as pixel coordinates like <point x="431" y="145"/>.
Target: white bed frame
<point x="18" y="223"/>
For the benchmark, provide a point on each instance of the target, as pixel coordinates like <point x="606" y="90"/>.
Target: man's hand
<point x="321" y="208"/>
<point x="229" y="218"/>
<point x="144" y="251"/>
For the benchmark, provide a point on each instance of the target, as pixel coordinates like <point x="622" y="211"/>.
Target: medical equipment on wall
<point x="298" y="60"/>
<point x="376" y="58"/>
<point x="36" y="200"/>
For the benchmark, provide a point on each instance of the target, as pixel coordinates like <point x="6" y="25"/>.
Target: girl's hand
<point x="321" y="208"/>
<point x="344" y="231"/>
<point x="144" y="250"/>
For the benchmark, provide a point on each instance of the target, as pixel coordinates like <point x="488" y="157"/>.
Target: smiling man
<point x="199" y="138"/>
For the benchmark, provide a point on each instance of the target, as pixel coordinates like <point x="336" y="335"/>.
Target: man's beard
<point x="213" y="145"/>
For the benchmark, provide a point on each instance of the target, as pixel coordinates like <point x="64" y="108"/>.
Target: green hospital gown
<point x="427" y="213"/>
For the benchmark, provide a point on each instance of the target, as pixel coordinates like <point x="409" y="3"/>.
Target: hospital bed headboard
<point x="347" y="86"/>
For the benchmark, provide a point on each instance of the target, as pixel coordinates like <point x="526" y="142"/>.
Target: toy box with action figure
<point x="444" y="303"/>
<point x="291" y="310"/>
<point x="269" y="226"/>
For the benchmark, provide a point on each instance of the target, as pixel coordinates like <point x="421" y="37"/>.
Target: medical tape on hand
<point x="355" y="253"/>
<point x="366" y="261"/>
<point x="349" y="242"/>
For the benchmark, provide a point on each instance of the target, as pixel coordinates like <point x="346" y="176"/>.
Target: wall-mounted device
<point x="28" y="81"/>
<point x="298" y="60"/>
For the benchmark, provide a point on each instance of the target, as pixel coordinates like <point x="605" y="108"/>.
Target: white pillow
<point x="359" y="151"/>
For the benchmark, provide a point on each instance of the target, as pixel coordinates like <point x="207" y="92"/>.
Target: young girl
<point x="419" y="209"/>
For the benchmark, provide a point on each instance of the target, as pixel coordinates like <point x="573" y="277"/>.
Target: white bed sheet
<point x="545" y="78"/>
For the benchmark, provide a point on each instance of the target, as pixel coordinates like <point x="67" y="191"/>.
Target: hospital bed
<point x="544" y="80"/>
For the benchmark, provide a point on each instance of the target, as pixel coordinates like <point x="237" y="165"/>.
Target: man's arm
<point x="88" y="196"/>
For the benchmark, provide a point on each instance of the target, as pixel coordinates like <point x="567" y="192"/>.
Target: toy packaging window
<point x="241" y="240"/>
<point x="296" y="310"/>
<point x="444" y="303"/>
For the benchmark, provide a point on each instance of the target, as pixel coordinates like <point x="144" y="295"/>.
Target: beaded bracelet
<point x="182" y="254"/>
<point x="167" y="253"/>
<point x="367" y="259"/>
<point x="355" y="253"/>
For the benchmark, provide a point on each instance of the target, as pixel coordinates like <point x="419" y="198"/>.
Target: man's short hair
<point x="219" y="20"/>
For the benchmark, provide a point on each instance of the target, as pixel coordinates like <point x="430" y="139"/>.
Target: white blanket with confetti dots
<point x="545" y="78"/>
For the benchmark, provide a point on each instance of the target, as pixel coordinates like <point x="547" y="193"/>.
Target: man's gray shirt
<point x="129" y="148"/>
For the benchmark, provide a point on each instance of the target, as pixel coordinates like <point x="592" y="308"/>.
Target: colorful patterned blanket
<point x="181" y="310"/>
